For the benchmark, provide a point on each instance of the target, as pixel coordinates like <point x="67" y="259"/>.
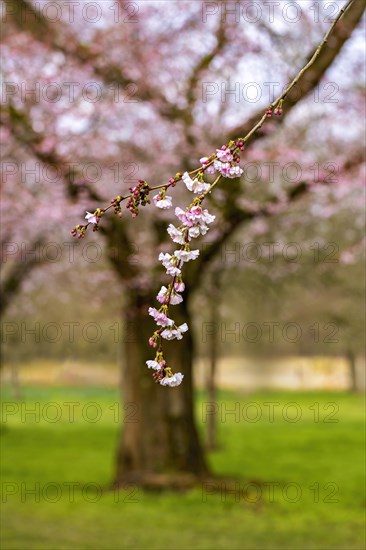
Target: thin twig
<point x="300" y="73"/>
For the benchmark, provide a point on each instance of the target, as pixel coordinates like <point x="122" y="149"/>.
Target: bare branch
<point x="17" y="274"/>
<point x="310" y="76"/>
<point x="38" y="26"/>
<point x="21" y="128"/>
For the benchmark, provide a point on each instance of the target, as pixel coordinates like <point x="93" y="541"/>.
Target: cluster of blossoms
<point x="163" y="373"/>
<point x="139" y="195"/>
<point x="225" y="161"/>
<point x="194" y="221"/>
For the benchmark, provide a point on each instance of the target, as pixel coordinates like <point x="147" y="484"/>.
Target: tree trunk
<point x="159" y="442"/>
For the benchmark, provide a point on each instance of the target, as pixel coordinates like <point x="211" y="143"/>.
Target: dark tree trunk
<point x="159" y="442"/>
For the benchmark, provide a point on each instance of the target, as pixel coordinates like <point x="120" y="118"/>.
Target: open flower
<point x="228" y="169"/>
<point x="194" y="232"/>
<point x="224" y="155"/>
<point x="195" y="212"/>
<point x="170" y="263"/>
<point x="208" y="169"/>
<point x="160" y="318"/>
<point x="179" y="286"/>
<point x="175" y="298"/>
<point x="153" y="365"/>
<point x="177" y="333"/>
<point x="207" y="217"/>
<point x="236" y="171"/>
<point x="163" y="296"/>
<point x="222" y="167"/>
<point x="91" y="218"/>
<point x="163" y="201"/>
<point x="184" y="217"/>
<point x="172" y="381"/>
<point x="186" y="255"/>
<point x="195" y="185"/>
<point x="176" y="235"/>
<point x="195" y="216"/>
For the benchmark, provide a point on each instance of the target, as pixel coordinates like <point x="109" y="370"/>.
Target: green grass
<point x="307" y="454"/>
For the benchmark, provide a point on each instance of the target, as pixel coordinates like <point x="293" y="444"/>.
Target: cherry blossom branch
<point x="194" y="220"/>
<point x="139" y="194"/>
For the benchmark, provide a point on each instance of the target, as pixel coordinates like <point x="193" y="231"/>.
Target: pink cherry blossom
<point x="160" y="318"/>
<point x="91" y="218"/>
<point x="183" y="216"/>
<point x="179" y="286"/>
<point x="163" y="296"/>
<point x="196" y="211"/>
<point x="175" y="298"/>
<point x="224" y="155"/>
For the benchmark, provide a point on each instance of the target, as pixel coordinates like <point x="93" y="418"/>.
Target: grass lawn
<point x="302" y="483"/>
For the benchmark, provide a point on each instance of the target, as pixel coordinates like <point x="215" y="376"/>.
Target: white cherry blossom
<point x="172" y="333"/>
<point x="186" y="255"/>
<point x="91" y="218"/>
<point x="172" y="381"/>
<point x="153" y="365"/>
<point x="163" y="203"/>
<point x="175" y="234"/>
<point x="195" y="185"/>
